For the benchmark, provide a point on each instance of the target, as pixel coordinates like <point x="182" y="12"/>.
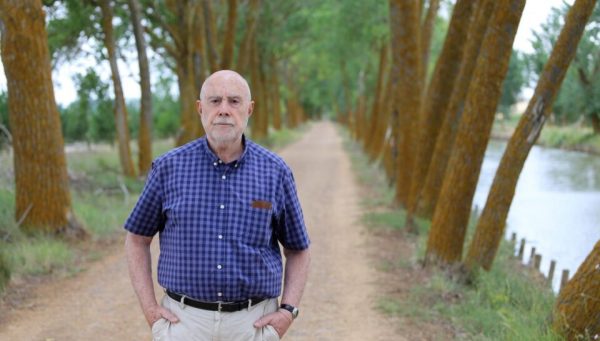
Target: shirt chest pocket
<point x="255" y="228"/>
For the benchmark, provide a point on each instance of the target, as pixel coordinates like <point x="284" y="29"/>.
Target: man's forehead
<point x="229" y="86"/>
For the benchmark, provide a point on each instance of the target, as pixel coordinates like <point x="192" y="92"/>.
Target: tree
<point x="145" y="135"/>
<point x="120" y="108"/>
<point x="406" y="58"/>
<point x="438" y="95"/>
<point x="578" y="94"/>
<point x="43" y="201"/>
<point x="427" y="198"/>
<point x="490" y="227"/>
<point x="448" y="227"/>
<point x="577" y="310"/>
<point x="513" y="83"/>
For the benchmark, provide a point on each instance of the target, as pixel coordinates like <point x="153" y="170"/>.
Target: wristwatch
<point x="291" y="309"/>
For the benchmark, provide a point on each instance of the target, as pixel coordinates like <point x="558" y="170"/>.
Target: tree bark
<point x="576" y="313"/>
<point x="439" y="92"/>
<point x="376" y="112"/>
<point x="229" y="40"/>
<point x="211" y="36"/>
<point x="490" y="227"/>
<point x="427" y="199"/>
<point x="243" y="60"/>
<point x="145" y="134"/>
<point x="404" y="20"/>
<point x="426" y="33"/>
<point x="448" y="227"/>
<point x="42" y="198"/>
<point x="120" y="108"/>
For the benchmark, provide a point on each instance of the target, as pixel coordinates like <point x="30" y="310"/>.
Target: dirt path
<point x="338" y="302"/>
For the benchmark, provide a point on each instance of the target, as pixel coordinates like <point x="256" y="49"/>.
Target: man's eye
<point x="215" y="101"/>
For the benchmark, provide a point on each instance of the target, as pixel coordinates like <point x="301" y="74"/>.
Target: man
<point x="221" y="204"/>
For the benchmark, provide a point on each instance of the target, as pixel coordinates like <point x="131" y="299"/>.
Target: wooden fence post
<point x="564" y="279"/>
<point x="551" y="271"/>
<point x="537" y="261"/>
<point x="522" y="249"/>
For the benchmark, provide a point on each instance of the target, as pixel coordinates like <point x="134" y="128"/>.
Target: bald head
<point x="226" y="78"/>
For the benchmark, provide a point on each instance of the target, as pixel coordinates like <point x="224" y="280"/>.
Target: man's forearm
<point x="296" y="274"/>
<point x="139" y="262"/>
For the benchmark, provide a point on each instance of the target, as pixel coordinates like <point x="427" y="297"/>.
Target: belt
<point x="215" y="306"/>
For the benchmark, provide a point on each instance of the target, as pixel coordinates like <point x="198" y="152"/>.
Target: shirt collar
<point x="215" y="159"/>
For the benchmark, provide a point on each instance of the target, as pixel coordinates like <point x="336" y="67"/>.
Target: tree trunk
<point x="404" y="19"/>
<point x="427" y="199"/>
<point x="120" y="108"/>
<point x="43" y="201"/>
<point x="211" y="36"/>
<point x="426" y="33"/>
<point x="490" y="227"/>
<point x="260" y="122"/>
<point x="595" y="118"/>
<point x="446" y="237"/>
<point x="243" y="60"/>
<point x="145" y="135"/>
<point x="577" y="310"/>
<point x="376" y="112"/>
<point x="229" y="40"/>
<point x="383" y="125"/>
<point x="275" y="96"/>
<point x="439" y="92"/>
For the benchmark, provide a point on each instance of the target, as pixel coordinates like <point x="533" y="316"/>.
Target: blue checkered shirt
<point x="220" y="224"/>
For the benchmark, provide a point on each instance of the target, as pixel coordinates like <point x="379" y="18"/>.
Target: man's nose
<point x="224" y="109"/>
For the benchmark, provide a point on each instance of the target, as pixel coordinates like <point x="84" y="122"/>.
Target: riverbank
<point x="572" y="137"/>
<point x="510" y="302"/>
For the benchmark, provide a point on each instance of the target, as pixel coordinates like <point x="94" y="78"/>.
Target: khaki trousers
<point x="205" y="325"/>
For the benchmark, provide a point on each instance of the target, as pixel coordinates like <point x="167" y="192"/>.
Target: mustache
<point x="223" y="122"/>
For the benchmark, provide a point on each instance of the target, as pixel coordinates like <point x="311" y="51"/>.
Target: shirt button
<point x="220" y="236"/>
<point x="214" y="164"/>
<point x="219" y="266"/>
<point x="223" y="177"/>
<point x="220" y="161"/>
<point x="222" y="207"/>
<point x="219" y="294"/>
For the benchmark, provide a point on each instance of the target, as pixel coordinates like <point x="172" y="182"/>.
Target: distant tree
<point x="4" y="125"/>
<point x="42" y="197"/>
<point x="578" y="96"/>
<point x="145" y="131"/>
<point x="120" y="108"/>
<point x="516" y="79"/>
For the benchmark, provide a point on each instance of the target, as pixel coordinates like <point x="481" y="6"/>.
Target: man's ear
<point x="251" y="108"/>
<point x="199" y="107"/>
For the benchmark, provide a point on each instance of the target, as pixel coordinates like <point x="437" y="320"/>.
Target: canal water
<point x="556" y="206"/>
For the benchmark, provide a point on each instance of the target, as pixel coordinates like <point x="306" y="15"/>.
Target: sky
<point x="534" y="14"/>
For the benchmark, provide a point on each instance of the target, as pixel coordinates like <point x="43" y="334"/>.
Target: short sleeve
<point x="147" y="217"/>
<point x="291" y="230"/>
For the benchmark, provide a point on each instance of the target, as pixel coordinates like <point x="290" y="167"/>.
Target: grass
<point x="507" y="303"/>
<point x="101" y="198"/>
<point x="570" y="137"/>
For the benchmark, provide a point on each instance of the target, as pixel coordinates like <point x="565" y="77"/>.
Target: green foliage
<point x="166" y="110"/>
<point x="513" y="83"/>
<point x="90" y="117"/>
<point x="579" y="93"/>
<point x="4" y="118"/>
